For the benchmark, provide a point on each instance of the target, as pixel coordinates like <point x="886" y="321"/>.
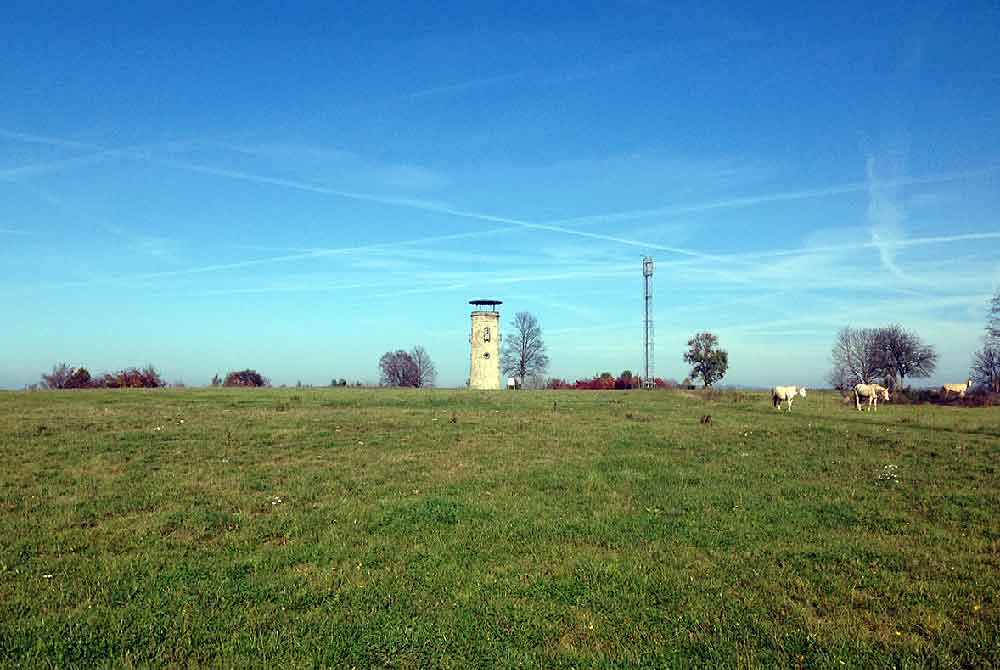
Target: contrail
<point x="463" y="86"/>
<point x="855" y="246"/>
<point x="100" y="153"/>
<point x="42" y="168"/>
<point x="554" y="226"/>
<point x="41" y="139"/>
<point x="306" y="255"/>
<point x="781" y="196"/>
<point x="431" y="207"/>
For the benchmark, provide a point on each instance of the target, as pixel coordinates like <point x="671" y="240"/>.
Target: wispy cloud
<point x="154" y="246"/>
<point x="13" y="231"/>
<point x="886" y="217"/>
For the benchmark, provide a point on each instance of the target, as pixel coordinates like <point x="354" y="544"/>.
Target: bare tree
<point x="986" y="367"/>
<point x="57" y="378"/>
<point x="707" y="360"/>
<point x="397" y="368"/>
<point x="902" y="354"/>
<point x="857" y="358"/>
<point x="426" y="372"/>
<point x="986" y="362"/>
<point x="524" y="352"/>
<point x="993" y="321"/>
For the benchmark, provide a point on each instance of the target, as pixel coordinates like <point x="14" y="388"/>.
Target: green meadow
<point x="553" y="529"/>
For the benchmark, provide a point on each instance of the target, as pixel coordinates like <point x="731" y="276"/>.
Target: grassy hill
<point x="344" y="527"/>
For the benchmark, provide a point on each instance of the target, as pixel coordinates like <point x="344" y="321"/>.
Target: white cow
<point x="960" y="389"/>
<point x="781" y="394"/>
<point x="872" y="393"/>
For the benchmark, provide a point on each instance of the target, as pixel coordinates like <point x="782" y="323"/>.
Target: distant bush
<point x="65" y="377"/>
<point x="606" y="382"/>
<point x="908" y="396"/>
<point x="246" y="378"/>
<point x="132" y="378"/>
<point x="79" y="379"/>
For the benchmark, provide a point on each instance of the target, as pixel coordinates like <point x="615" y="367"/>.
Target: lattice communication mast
<point x="647" y="280"/>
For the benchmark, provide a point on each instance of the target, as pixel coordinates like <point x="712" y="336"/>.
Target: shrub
<point x="79" y="379"/>
<point x="246" y="377"/>
<point x="132" y="378"/>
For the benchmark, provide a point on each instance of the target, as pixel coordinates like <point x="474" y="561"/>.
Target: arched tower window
<point x="486" y="334"/>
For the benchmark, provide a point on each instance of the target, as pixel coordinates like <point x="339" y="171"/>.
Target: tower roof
<point x="489" y="303"/>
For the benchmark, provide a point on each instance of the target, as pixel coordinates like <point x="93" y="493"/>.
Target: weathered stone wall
<point x="484" y="369"/>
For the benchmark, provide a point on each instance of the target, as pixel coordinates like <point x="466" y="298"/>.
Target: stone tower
<point x="484" y="366"/>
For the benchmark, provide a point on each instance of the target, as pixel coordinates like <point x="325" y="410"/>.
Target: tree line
<point x="888" y="354"/>
<point x="64" y="376"/>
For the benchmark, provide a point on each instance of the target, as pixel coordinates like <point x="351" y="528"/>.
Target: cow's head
<point x="802" y="391"/>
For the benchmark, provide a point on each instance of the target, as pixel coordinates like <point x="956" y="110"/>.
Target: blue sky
<point x="299" y="189"/>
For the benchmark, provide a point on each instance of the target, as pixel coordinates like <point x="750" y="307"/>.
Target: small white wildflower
<point x="888" y="474"/>
<point x="360" y="443"/>
<point x="47" y="575"/>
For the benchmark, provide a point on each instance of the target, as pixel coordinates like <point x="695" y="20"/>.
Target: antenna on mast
<point x="647" y="279"/>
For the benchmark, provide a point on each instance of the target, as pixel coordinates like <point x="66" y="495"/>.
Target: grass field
<point x="321" y="527"/>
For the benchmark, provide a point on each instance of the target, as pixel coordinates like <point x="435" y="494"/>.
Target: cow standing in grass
<point x="872" y="393"/>
<point x="960" y="389"/>
<point x="787" y="394"/>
